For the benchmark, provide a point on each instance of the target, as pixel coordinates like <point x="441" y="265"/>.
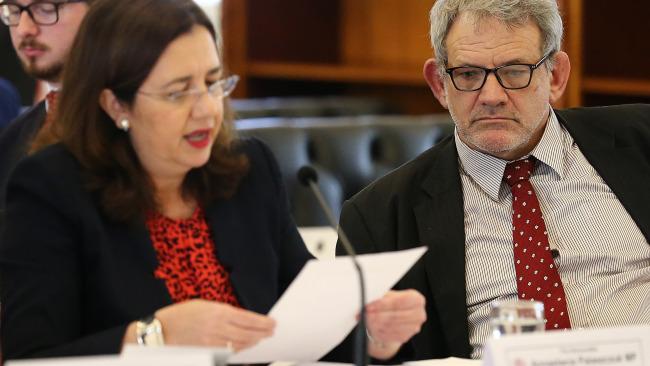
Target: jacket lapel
<point x="620" y="166"/>
<point x="233" y="248"/>
<point x="440" y="220"/>
<point x="138" y="264"/>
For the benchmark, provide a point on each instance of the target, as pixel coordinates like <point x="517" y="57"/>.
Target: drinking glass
<point x="516" y="317"/>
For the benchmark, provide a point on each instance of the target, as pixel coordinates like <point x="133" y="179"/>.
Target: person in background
<point x="9" y="103"/>
<point x="42" y="33"/>
<point x="523" y="201"/>
<point x="150" y="222"/>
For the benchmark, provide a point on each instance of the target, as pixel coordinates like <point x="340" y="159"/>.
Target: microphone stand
<point x="307" y="176"/>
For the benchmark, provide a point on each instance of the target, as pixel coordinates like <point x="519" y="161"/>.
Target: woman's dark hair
<point x="117" y="46"/>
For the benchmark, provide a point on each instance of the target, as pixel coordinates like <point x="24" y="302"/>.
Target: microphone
<point x="307" y="176"/>
<point x="555" y="253"/>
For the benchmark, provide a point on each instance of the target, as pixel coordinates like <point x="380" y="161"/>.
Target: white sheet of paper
<point x="319" y="308"/>
<point x="449" y="361"/>
<point x="114" y="360"/>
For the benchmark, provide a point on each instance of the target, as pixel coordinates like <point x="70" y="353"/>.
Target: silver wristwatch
<point x="148" y="332"/>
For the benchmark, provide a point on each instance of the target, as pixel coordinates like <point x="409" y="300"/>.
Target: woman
<point x="149" y="221"/>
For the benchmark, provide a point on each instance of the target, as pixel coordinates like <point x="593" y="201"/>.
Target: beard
<point x="49" y="73"/>
<point x="474" y="136"/>
<point x="499" y="141"/>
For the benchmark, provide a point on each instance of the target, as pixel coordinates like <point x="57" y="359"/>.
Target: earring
<point x="124" y="124"/>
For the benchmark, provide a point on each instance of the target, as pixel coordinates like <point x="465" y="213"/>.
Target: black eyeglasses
<point x="512" y="76"/>
<point x="41" y="12"/>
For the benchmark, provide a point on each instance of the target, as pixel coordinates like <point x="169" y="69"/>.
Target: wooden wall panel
<point x="572" y="45"/>
<point x="293" y="30"/>
<point x="616" y="39"/>
<point x="385" y="32"/>
<point x="378" y="47"/>
<point x="234" y="41"/>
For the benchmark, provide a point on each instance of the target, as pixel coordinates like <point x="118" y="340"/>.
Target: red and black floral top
<point x="187" y="260"/>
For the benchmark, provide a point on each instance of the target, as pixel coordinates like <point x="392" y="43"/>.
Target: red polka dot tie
<point x="537" y="275"/>
<point x="52" y="99"/>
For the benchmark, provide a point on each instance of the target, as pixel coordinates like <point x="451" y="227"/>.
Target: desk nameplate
<point x="625" y="346"/>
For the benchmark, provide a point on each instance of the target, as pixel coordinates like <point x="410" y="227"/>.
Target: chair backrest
<point x="347" y="152"/>
<point x="316" y="106"/>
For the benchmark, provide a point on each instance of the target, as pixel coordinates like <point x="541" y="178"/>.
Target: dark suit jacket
<point x="72" y="279"/>
<point x="9" y="102"/>
<point x="421" y="203"/>
<point x="14" y="142"/>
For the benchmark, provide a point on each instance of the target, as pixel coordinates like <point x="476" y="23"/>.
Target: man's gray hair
<point x="514" y="13"/>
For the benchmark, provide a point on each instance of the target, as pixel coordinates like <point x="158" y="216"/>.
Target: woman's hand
<point x="209" y="323"/>
<point x="393" y="320"/>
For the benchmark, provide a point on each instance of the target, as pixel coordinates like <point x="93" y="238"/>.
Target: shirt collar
<point x="552" y="148"/>
<point x="49" y="88"/>
<point x="487" y="170"/>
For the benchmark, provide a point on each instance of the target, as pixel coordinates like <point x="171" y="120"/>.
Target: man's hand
<point x="393" y="320"/>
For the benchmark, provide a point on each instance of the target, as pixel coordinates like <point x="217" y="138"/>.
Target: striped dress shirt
<point x="603" y="258"/>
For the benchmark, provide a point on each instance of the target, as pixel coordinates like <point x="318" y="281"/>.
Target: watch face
<point x="149" y="332"/>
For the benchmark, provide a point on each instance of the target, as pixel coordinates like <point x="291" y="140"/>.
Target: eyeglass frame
<point x="494" y="71"/>
<point x="179" y="96"/>
<point x="21" y="8"/>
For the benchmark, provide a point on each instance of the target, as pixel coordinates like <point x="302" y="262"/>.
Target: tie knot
<point x="519" y="170"/>
<point x="51" y="98"/>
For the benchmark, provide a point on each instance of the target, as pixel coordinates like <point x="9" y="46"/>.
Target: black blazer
<point x="72" y="280"/>
<point x="14" y="142"/>
<point x="421" y="203"/>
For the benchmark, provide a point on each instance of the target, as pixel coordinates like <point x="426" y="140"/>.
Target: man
<point x="498" y="68"/>
<point x="42" y="32"/>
